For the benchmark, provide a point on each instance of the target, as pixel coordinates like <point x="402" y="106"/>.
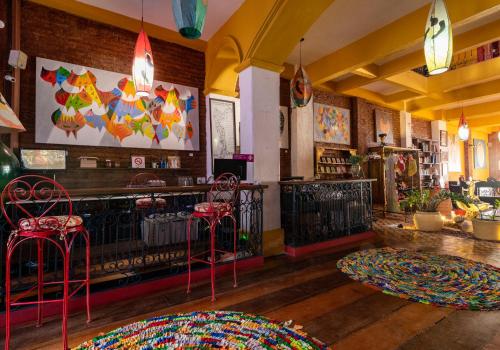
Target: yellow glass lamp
<point x="438" y="39"/>
<point x="9" y="164"/>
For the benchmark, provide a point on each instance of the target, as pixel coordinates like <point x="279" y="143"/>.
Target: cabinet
<point x="332" y="163"/>
<point x="429" y="160"/>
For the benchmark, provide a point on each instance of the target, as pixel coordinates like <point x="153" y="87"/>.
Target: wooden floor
<point x="312" y="292"/>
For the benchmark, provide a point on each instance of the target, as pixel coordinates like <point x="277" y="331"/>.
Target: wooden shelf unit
<point x="332" y="162"/>
<point x="378" y="169"/>
<point x="429" y="161"/>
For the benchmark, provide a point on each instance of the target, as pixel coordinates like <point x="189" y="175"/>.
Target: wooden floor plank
<point x="391" y="331"/>
<point x="462" y="330"/>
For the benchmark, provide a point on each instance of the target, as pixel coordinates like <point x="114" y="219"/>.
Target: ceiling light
<point x="300" y="86"/>
<point x="190" y="17"/>
<point x="463" y="128"/>
<point x="143" y="66"/>
<point x="438" y="39"/>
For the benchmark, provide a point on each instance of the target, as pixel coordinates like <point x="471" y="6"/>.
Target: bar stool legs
<point x="40" y="245"/>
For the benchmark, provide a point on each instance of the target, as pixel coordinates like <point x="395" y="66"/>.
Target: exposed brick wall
<point x="421" y="128"/>
<point x="366" y="125"/>
<point x="56" y="35"/>
<point x="342" y="102"/>
<point x="285" y="154"/>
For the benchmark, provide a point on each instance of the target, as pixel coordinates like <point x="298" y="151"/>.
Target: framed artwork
<point x="479" y="154"/>
<point x="222" y="128"/>
<point x="383" y="125"/>
<point x="454" y="162"/>
<point x="443" y="138"/>
<point x="284" y="127"/>
<point x="332" y="124"/>
<point x="77" y="105"/>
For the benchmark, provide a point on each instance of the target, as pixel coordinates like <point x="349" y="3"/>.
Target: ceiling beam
<point x="478" y="36"/>
<point x="477" y="110"/>
<point x="410" y="81"/>
<point x="465" y="76"/>
<point x="369" y="71"/>
<point x="469" y="93"/>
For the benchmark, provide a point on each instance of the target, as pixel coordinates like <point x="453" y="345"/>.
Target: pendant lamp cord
<point x="300" y="52"/>
<point x="142" y="13"/>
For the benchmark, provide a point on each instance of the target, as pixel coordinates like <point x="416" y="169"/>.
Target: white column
<point x="260" y="135"/>
<point x="405" y="127"/>
<point x="302" y="137"/>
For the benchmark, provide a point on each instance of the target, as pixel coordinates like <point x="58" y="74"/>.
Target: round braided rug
<point x="204" y="330"/>
<point x="441" y="280"/>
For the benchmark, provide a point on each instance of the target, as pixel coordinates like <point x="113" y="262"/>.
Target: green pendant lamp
<point x="438" y="39"/>
<point x="9" y="164"/>
<point x="190" y="17"/>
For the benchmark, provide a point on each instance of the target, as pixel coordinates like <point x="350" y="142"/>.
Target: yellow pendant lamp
<point x="438" y="39"/>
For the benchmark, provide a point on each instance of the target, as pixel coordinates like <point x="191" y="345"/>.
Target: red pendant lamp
<point x="143" y="67"/>
<point x="463" y="128"/>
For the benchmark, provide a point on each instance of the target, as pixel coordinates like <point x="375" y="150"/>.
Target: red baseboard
<point x="129" y="292"/>
<point x="307" y="249"/>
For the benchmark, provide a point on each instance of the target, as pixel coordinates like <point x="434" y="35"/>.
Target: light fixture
<point x="438" y="39"/>
<point x="190" y="17"/>
<point x="498" y="135"/>
<point x="9" y="164"/>
<point x="143" y="67"/>
<point x="463" y="128"/>
<point x="300" y="86"/>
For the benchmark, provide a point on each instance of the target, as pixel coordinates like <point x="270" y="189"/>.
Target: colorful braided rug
<point x="205" y="330"/>
<point x="441" y="280"/>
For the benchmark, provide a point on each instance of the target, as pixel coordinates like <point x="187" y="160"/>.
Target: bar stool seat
<point x="48" y="224"/>
<point x="146" y="203"/>
<point x="212" y="207"/>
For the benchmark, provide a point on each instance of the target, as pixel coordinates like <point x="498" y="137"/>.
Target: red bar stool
<point x="142" y="180"/>
<point x="221" y="200"/>
<point x="19" y="196"/>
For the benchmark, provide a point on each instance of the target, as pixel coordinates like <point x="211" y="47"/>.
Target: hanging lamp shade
<point x="300" y="88"/>
<point x="190" y="17"/>
<point x="438" y="39"/>
<point x="9" y="164"/>
<point x="498" y="135"/>
<point x="463" y="129"/>
<point x="143" y="67"/>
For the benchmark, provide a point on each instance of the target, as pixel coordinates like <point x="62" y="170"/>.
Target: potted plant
<point x="356" y="160"/>
<point x="486" y="224"/>
<point x="425" y="204"/>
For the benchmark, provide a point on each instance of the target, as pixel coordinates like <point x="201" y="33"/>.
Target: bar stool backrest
<point x="35" y="201"/>
<point x="142" y="180"/>
<point x="224" y="189"/>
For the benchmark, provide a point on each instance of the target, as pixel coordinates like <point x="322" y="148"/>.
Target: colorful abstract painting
<point x="77" y="105"/>
<point x="332" y="124"/>
<point x="8" y="119"/>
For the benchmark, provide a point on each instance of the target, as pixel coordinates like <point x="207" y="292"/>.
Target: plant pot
<point x="428" y="221"/>
<point x="486" y="229"/>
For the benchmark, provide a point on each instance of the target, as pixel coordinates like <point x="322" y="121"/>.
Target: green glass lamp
<point x="9" y="164"/>
<point x="190" y="17"/>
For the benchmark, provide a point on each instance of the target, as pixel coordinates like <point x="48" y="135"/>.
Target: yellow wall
<point x="453" y="176"/>
<point x="480" y="174"/>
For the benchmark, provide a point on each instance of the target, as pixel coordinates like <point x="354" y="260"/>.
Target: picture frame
<point x="479" y="154"/>
<point x="222" y="128"/>
<point x="443" y="138"/>
<point x="384" y="125"/>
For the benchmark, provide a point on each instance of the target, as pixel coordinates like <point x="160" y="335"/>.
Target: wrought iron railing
<point x="313" y="212"/>
<point x="129" y="244"/>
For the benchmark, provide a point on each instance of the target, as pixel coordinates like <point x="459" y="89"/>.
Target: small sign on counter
<point x="242" y="156"/>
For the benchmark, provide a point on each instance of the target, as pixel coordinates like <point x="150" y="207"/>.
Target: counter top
<point x="82" y="192"/>
<point x="317" y="182"/>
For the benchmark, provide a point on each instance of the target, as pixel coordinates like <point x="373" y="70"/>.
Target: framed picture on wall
<point x="284" y="143"/>
<point x="383" y="125"/>
<point x="222" y="129"/>
<point x="332" y="124"/>
<point x="479" y="154"/>
<point x="443" y="138"/>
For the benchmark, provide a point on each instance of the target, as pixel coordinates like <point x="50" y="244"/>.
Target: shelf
<point x="326" y="163"/>
<point x="103" y="168"/>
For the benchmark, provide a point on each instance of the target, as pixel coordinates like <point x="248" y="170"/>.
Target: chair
<point x="19" y="197"/>
<point x="221" y="200"/>
<point x="143" y="180"/>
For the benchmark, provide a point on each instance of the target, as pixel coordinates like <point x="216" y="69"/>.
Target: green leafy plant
<point x="357" y="159"/>
<point x="425" y="201"/>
